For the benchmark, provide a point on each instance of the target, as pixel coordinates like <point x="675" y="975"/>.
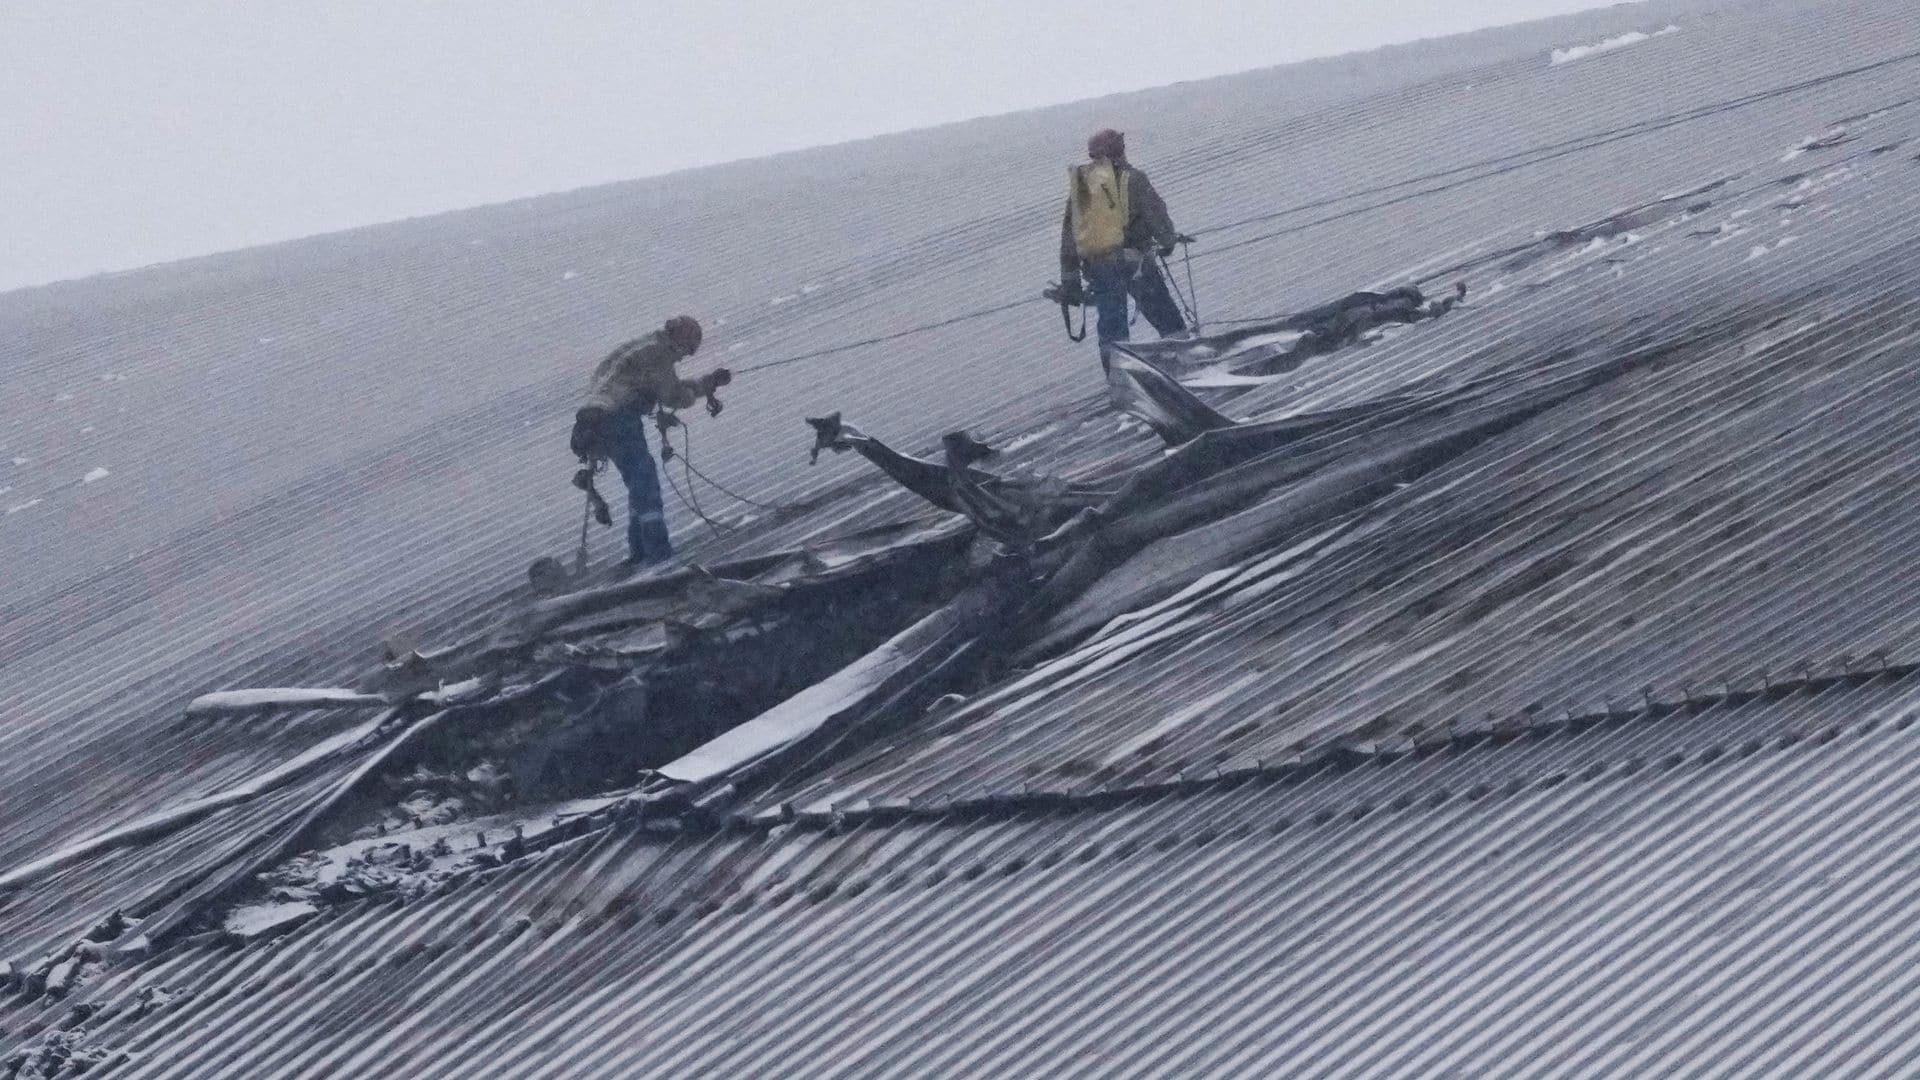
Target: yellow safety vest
<point x="1097" y="195"/>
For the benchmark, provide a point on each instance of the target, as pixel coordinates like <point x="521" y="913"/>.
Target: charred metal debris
<point x="672" y="697"/>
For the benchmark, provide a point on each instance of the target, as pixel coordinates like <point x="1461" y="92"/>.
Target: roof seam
<point x="1339" y="754"/>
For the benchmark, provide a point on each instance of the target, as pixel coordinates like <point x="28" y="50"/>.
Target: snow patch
<point x="19" y="461"/>
<point x="1283" y="340"/>
<point x="778" y="300"/>
<point x="265" y="918"/>
<point x="95" y="473"/>
<point x="281" y="697"/>
<point x="1217" y="377"/>
<point x="28" y="505"/>
<point x="450" y="693"/>
<point x="63" y="397"/>
<point x="1633" y="37"/>
<point x="1023" y="441"/>
<point x="569" y="275"/>
<point x="112" y="376"/>
<point x="810" y="289"/>
<point x="1726" y="233"/>
<point x="1759" y="345"/>
<point x="1816" y="185"/>
<point x="1762" y="249"/>
<point x="1833" y="136"/>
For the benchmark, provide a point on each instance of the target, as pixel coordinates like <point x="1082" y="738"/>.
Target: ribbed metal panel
<point x="391" y="454"/>
<point x="1733" y="511"/>
<point x="1720" y="888"/>
<point x="1665" y="893"/>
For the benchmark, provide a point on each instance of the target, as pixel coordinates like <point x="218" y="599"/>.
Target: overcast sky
<point x="133" y="133"/>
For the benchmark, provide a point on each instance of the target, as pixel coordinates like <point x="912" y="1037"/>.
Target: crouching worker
<point x="634" y="380"/>
<point x="1114" y="223"/>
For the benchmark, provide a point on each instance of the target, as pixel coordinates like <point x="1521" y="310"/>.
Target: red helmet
<point x="1107" y="143"/>
<point x="684" y="331"/>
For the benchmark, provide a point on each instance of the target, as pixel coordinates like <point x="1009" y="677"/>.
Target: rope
<point x="1514" y="249"/>
<point x="1499" y="165"/>
<point x="878" y="339"/>
<point x="1066" y="317"/>
<point x="1186" y="257"/>
<point x="1579" y="142"/>
<point x="693" y="506"/>
<point x="687" y="498"/>
<point x="686" y="460"/>
<point x="1189" y="311"/>
<point x="586" y="518"/>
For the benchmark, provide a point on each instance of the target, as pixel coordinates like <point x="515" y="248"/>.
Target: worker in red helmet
<point x="638" y="378"/>
<point x="1114" y="223"/>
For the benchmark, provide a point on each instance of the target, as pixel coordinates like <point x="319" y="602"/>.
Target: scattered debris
<point x="1281" y="344"/>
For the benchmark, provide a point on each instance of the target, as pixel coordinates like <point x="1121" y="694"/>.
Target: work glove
<point x="711" y="381"/>
<point x="1069" y="292"/>
<point x="589" y="433"/>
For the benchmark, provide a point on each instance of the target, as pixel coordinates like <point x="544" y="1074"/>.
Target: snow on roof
<point x="1633" y="37"/>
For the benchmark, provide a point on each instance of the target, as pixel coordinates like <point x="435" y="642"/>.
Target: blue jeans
<point x="626" y="446"/>
<point x="1111" y="280"/>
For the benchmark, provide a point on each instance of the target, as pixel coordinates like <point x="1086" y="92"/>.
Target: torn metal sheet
<point x="1142" y="391"/>
<point x="1285" y="342"/>
<point x="246" y="702"/>
<point x="814" y="707"/>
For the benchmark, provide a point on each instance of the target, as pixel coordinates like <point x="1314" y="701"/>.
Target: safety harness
<point x="1059" y="294"/>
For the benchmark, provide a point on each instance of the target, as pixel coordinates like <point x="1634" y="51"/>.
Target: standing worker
<point x="1114" y="224"/>
<point x="636" y="379"/>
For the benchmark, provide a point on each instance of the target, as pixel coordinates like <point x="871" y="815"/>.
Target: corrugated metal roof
<point x="1633" y="895"/>
<point x="1652" y="532"/>
<point x="333" y="477"/>
<point x="1730" y="512"/>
